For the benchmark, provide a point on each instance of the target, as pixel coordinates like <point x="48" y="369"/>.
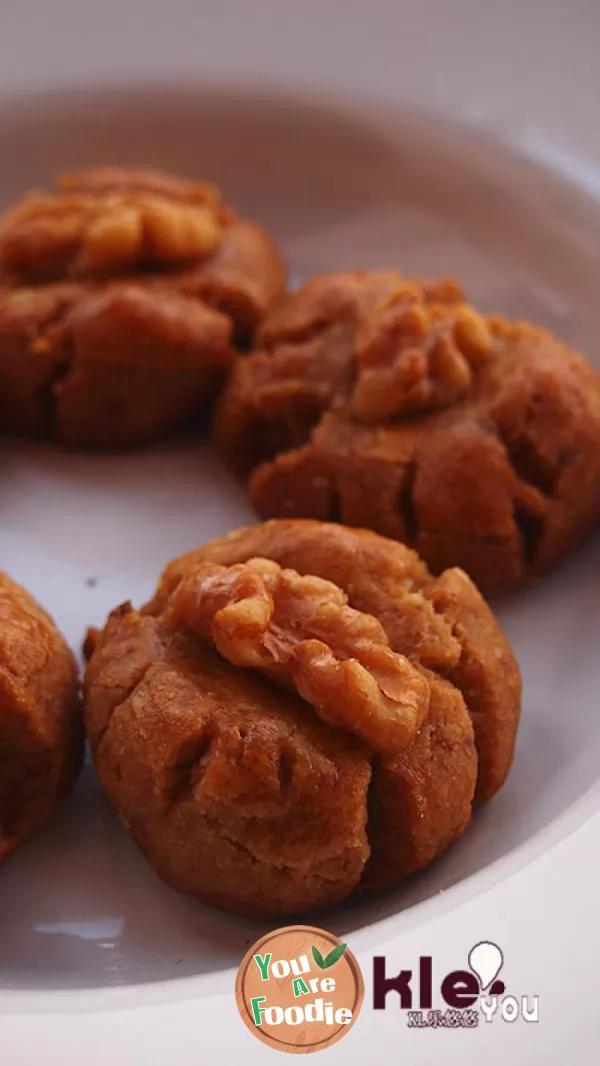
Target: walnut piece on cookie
<point x="301" y="712"/>
<point x="301" y="629"/>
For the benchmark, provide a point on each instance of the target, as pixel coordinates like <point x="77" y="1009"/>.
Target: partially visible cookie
<point x="41" y="731"/>
<point x="390" y="403"/>
<point x="122" y="297"/>
<point x="301" y="712"/>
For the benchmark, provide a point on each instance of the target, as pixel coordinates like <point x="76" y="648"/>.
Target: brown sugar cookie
<point x="122" y="296"/>
<point x="41" y="732"/>
<point x="301" y="712"/>
<point x="390" y="403"/>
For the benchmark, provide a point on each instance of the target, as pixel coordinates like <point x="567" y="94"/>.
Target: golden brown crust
<point x="159" y="695"/>
<point x="107" y="368"/>
<point x="420" y="800"/>
<point x="122" y="296"/>
<point x="41" y="733"/>
<point x="242" y="279"/>
<point x="388" y="403"/>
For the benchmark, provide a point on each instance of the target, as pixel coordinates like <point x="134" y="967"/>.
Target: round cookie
<point x="390" y="403"/>
<point x="41" y="731"/>
<point x="300" y="713"/>
<point x="122" y="298"/>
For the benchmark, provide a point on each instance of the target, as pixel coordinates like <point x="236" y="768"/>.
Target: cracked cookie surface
<point x="390" y="403"/>
<point x="122" y="297"/>
<point x="41" y="733"/>
<point x="301" y="712"/>
<point x="300" y="629"/>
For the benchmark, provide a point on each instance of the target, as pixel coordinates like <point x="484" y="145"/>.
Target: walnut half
<point x="91" y="229"/>
<point x="414" y="356"/>
<point x="300" y="630"/>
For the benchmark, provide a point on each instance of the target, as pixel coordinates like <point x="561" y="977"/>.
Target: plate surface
<point x="339" y="185"/>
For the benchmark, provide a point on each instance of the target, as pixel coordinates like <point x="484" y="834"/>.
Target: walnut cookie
<point x="301" y="712"/>
<point x="390" y="403"/>
<point x="41" y="732"/>
<point x="122" y="296"/>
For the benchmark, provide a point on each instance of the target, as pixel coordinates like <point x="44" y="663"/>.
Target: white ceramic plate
<point x="340" y="183"/>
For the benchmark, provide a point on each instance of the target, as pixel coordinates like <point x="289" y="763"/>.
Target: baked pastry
<point x="41" y="729"/>
<point x="121" y="298"/>
<point x="390" y="403"/>
<point x="300" y="713"/>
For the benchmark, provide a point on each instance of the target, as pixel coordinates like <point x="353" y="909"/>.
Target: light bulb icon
<point x="486" y="961"/>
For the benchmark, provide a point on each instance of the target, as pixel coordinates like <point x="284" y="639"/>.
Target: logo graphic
<point x="299" y="989"/>
<point x="469" y="995"/>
